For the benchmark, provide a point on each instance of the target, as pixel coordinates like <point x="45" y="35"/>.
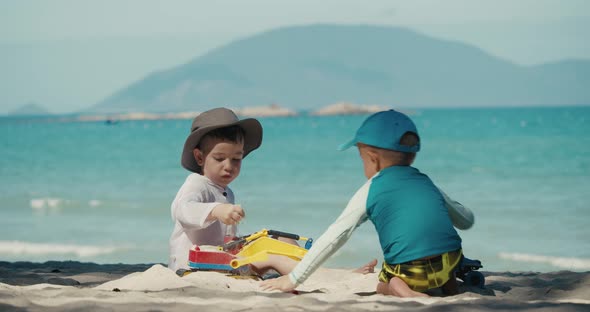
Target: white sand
<point x="88" y="286"/>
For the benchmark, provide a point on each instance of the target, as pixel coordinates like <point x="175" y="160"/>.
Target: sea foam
<point x="560" y="262"/>
<point x="28" y="248"/>
<point x="43" y="203"/>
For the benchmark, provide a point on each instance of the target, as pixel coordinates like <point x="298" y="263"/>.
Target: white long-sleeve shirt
<point x="190" y="209"/>
<point x="354" y="215"/>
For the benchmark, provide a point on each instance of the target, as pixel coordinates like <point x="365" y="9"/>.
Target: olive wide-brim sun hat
<point x="215" y="119"/>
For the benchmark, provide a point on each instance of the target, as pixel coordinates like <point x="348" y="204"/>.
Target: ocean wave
<point x="36" y="249"/>
<point x="560" y="262"/>
<point x="94" y="203"/>
<point x="55" y="204"/>
<point x="43" y="203"/>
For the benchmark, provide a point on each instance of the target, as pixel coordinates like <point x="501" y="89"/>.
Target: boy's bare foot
<point x="398" y="287"/>
<point x="367" y="268"/>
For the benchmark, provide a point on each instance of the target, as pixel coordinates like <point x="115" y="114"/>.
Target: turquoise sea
<point x="94" y="192"/>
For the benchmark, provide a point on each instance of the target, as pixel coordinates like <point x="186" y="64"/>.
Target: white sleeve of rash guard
<point x="334" y="237"/>
<point x="461" y="216"/>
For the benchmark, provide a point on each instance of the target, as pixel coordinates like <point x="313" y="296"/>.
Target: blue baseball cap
<point x="385" y="130"/>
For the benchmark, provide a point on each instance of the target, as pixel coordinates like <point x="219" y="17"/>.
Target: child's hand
<point x="228" y="214"/>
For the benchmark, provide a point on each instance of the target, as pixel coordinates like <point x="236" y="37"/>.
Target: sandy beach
<point x="68" y="286"/>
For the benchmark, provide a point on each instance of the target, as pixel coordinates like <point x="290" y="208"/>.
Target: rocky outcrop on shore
<point x="134" y="116"/>
<point x="345" y="108"/>
<point x="272" y="110"/>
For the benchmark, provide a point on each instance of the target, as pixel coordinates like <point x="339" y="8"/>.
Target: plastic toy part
<point x="259" y="250"/>
<point x="308" y="243"/>
<point x="474" y="279"/>
<point x="467" y="272"/>
<point x="244" y="250"/>
<point x="209" y="258"/>
<point x="241" y="241"/>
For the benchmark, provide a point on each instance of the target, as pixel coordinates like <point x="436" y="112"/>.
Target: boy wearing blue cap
<point x="413" y="218"/>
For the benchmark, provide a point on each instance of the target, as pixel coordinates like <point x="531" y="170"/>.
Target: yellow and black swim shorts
<point x="425" y="274"/>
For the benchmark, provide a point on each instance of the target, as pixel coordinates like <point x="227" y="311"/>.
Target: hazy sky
<point x="68" y="55"/>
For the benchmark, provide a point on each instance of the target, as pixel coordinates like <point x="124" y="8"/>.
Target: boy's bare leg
<point x="282" y="264"/>
<point x="369" y="267"/>
<point x="399" y="288"/>
<point x="383" y="288"/>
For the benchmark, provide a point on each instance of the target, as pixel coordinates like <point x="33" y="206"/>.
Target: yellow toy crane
<point x="245" y="250"/>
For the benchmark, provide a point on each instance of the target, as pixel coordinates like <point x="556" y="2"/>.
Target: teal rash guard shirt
<point x="410" y="215"/>
<point x="413" y="219"/>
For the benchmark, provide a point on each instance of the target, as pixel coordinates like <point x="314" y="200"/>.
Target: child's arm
<point x="461" y="216"/>
<point x="194" y="212"/>
<point x="332" y="239"/>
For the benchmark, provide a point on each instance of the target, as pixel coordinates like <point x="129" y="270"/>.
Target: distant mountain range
<point x="308" y="67"/>
<point x="30" y="109"/>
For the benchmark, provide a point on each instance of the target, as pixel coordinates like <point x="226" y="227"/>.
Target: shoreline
<point x="72" y="285"/>
<point x="255" y="112"/>
<point x="338" y="109"/>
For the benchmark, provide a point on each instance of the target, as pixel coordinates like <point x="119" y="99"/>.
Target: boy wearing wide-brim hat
<point x="204" y="208"/>
<point x="413" y="218"/>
